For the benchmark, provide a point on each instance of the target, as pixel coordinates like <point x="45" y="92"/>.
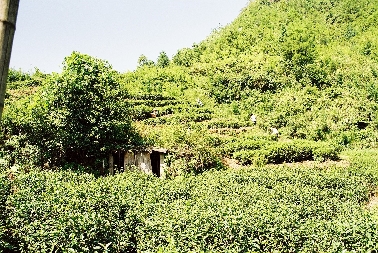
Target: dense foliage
<point x="308" y="68"/>
<point x="296" y="151"/>
<point x="261" y="210"/>
<point x="4" y="194"/>
<point x="77" y="116"/>
<point x="18" y="78"/>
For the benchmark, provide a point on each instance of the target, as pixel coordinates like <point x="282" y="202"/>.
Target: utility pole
<point x="8" y="17"/>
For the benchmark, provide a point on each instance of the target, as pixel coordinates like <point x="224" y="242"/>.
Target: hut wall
<point x="162" y="165"/>
<point x="143" y="161"/>
<point x="129" y="159"/>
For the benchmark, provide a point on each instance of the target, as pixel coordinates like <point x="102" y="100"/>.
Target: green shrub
<point x="18" y="78"/>
<point x="80" y="215"/>
<point x="151" y="97"/>
<point x="228" y="123"/>
<point x="180" y="115"/>
<point x="244" y="144"/>
<point x="260" y="210"/>
<point x="294" y="151"/>
<point x="194" y="161"/>
<point x="141" y="112"/>
<point x="5" y="191"/>
<point x="326" y="153"/>
<point x="154" y="103"/>
<point x="363" y="159"/>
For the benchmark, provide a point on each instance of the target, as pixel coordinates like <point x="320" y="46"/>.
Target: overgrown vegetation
<point x="307" y="68"/>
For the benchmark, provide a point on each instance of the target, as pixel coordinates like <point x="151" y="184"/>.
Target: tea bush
<point x="260" y="210"/>
<point x="141" y="112"/>
<point x="5" y="191"/>
<point x="294" y="151"/>
<point x="18" y="78"/>
<point x="151" y="97"/>
<point x="246" y="144"/>
<point x="153" y="103"/>
<point x="170" y="81"/>
<point x="228" y="123"/>
<point x="80" y="215"/>
<point x="179" y="115"/>
<point x="365" y="159"/>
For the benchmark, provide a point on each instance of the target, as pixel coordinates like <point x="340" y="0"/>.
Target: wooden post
<point x="111" y="164"/>
<point x="8" y="17"/>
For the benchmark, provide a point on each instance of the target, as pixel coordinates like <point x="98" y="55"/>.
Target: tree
<point x="80" y="115"/>
<point x="163" y="60"/>
<point x="186" y="57"/>
<point x="91" y="104"/>
<point x="143" y="61"/>
<point x="8" y="16"/>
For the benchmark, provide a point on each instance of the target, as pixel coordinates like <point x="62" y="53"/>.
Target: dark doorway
<point x="155" y="163"/>
<point x="362" y="125"/>
<point x="119" y="161"/>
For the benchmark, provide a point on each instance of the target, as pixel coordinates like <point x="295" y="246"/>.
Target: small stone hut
<point x="150" y="161"/>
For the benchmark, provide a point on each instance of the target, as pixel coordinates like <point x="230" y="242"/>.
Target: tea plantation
<point x="302" y="177"/>
<point x="275" y="208"/>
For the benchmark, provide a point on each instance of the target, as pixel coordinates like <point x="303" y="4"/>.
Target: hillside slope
<point x="320" y="43"/>
<point x="309" y="68"/>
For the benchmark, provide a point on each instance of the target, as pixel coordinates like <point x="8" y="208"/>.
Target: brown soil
<point x="231" y="163"/>
<point x="22" y="92"/>
<point x="373" y="201"/>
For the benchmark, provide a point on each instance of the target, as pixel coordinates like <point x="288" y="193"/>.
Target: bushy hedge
<point x="279" y="152"/>
<point x="174" y="115"/>
<point x="228" y="123"/>
<point x="235" y="145"/>
<point x="5" y="191"/>
<point x="141" y="112"/>
<point x="152" y="96"/>
<point x="154" y="103"/>
<point x="274" y="209"/>
<point x="18" y="78"/>
<point x="66" y="212"/>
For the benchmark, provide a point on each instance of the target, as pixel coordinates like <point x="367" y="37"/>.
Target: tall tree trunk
<point x="8" y="17"/>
